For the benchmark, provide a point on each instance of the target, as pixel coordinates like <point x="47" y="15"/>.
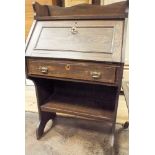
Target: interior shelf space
<point x="60" y="105"/>
<point x="86" y="100"/>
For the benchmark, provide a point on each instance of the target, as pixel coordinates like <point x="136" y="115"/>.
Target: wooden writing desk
<point x="75" y="57"/>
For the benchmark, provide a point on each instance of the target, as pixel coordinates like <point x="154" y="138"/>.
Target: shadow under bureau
<point x="75" y="57"/>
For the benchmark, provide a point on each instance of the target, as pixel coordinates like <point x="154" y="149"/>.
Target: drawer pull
<point x="96" y="75"/>
<point x="43" y="70"/>
<point x="74" y="30"/>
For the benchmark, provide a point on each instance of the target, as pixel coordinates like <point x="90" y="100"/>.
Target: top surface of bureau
<point x="98" y="40"/>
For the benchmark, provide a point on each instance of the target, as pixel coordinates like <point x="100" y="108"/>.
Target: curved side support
<point x="44" y="89"/>
<point x="42" y="123"/>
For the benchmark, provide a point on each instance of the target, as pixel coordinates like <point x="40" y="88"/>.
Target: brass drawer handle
<point x="74" y="30"/>
<point x="43" y="69"/>
<point x="96" y="75"/>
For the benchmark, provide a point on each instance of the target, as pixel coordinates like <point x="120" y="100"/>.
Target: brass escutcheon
<point x="67" y="67"/>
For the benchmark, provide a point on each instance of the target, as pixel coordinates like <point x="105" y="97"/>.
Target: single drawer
<point x="72" y="70"/>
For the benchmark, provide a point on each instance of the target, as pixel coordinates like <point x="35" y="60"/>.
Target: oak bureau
<point x="75" y="57"/>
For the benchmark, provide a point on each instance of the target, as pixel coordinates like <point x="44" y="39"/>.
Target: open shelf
<point x="77" y="107"/>
<point x="88" y="101"/>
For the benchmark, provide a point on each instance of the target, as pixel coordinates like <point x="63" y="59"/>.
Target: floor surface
<point x="71" y="136"/>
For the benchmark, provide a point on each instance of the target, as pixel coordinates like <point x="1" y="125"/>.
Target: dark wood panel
<point x="73" y="70"/>
<point x="114" y="11"/>
<point x="78" y="39"/>
<point x="72" y="80"/>
<point x="83" y="83"/>
<point x="56" y="106"/>
<point x="99" y="40"/>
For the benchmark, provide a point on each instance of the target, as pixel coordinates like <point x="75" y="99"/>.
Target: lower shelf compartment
<point x="94" y="102"/>
<point x="60" y="106"/>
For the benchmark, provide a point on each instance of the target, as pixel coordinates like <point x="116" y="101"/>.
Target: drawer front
<point x="72" y="70"/>
<point x="83" y="40"/>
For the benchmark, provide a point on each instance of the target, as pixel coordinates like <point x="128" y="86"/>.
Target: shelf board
<point x="62" y="106"/>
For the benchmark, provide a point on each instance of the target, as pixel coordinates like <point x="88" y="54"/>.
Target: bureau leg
<point x="113" y="139"/>
<point x="112" y="145"/>
<point x="45" y="117"/>
<point x="40" y="129"/>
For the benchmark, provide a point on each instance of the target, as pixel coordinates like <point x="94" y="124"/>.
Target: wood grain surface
<point x="73" y="70"/>
<point x="85" y="100"/>
<point x="112" y="11"/>
<point x="86" y="44"/>
<point x="82" y="39"/>
<point x="95" y="114"/>
<point x="31" y="105"/>
<point x="74" y="97"/>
